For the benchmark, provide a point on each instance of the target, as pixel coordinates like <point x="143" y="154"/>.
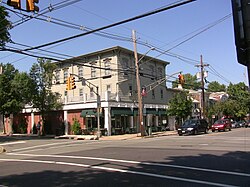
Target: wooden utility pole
<point x="201" y="65"/>
<point x="140" y="111"/>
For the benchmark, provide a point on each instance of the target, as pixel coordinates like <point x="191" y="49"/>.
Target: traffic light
<point x="181" y="79"/>
<point x="15" y="3"/>
<point x="241" y="19"/>
<point x="31" y="6"/>
<point x="68" y="85"/>
<point x="72" y="83"/>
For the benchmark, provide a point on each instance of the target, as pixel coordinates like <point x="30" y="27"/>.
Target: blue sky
<point x="164" y="30"/>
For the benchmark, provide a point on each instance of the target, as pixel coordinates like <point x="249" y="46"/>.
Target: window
<point x="152" y="72"/>
<point x="125" y="66"/>
<point x="160" y="73"/>
<point x="81" y="92"/>
<point x="130" y="90"/>
<point x="57" y="77"/>
<point x="108" y="88"/>
<point x="153" y="94"/>
<point x="93" y="72"/>
<point x="65" y="75"/>
<point x="161" y="93"/>
<point x="80" y="71"/>
<point x="107" y="67"/>
<point x="92" y="94"/>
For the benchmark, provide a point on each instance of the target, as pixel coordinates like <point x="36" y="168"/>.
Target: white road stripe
<point x="137" y="162"/>
<point x="44" y="145"/>
<point x="122" y="171"/>
<point x="12" y="143"/>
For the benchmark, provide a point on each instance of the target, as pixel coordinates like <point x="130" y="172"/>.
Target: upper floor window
<point x="161" y="93"/>
<point x="92" y="92"/>
<point x="125" y="66"/>
<point x="152" y="71"/>
<point x="108" y="87"/>
<point x="81" y="92"/>
<point x="160" y="73"/>
<point x="65" y="74"/>
<point x="93" y="72"/>
<point x="57" y="77"/>
<point x="80" y="71"/>
<point x="153" y="94"/>
<point x="107" y="67"/>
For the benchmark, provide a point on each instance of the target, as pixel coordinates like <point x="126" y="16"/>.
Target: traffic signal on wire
<point x="72" y="83"/>
<point x="181" y="79"/>
<point x="31" y="6"/>
<point x="68" y="85"/>
<point x="14" y="3"/>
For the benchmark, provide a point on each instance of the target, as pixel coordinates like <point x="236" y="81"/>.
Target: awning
<point x="89" y="113"/>
<point x="121" y="111"/>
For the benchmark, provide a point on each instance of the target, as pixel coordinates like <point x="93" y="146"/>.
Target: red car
<point x="222" y="125"/>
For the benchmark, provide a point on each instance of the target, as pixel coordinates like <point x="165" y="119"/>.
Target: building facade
<point x="106" y="95"/>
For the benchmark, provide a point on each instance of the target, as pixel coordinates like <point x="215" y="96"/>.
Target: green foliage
<point x="76" y="128"/>
<point x="44" y="99"/>
<point x="191" y="82"/>
<point x="5" y="26"/>
<point x="180" y="106"/>
<point x="236" y="106"/>
<point x="214" y="86"/>
<point x="15" y="90"/>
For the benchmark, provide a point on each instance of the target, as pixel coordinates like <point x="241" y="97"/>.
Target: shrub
<point x="76" y="128"/>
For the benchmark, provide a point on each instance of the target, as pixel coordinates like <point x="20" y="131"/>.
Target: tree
<point x="44" y="99"/>
<point x="15" y="91"/>
<point x="191" y="82"/>
<point x="180" y="106"/>
<point x="237" y="106"/>
<point x="214" y="86"/>
<point x="4" y="27"/>
<point x="240" y="94"/>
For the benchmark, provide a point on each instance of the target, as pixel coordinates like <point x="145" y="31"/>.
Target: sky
<point x="200" y="28"/>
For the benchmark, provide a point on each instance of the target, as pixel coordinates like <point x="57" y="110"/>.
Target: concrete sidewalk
<point x="137" y="136"/>
<point x="87" y="137"/>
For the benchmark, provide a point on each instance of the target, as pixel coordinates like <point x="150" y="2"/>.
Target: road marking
<point x="11" y="143"/>
<point x="137" y="162"/>
<point x="121" y="170"/>
<point x="43" y="145"/>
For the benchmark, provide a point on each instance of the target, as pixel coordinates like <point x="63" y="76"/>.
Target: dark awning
<point x="121" y="111"/>
<point x="89" y="113"/>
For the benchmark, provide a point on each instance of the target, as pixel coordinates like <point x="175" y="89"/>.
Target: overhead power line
<point x="113" y="25"/>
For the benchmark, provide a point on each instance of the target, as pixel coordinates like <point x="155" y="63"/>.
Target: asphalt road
<point x="214" y="159"/>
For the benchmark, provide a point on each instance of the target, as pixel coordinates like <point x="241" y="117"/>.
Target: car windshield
<point x="220" y="122"/>
<point x="189" y="123"/>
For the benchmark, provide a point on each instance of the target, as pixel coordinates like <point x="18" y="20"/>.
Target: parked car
<point x="247" y="124"/>
<point x="222" y="125"/>
<point x="193" y="126"/>
<point x="235" y="124"/>
<point x="242" y="123"/>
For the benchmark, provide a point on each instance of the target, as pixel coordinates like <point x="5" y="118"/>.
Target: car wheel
<point x="206" y="131"/>
<point x="229" y="129"/>
<point x="213" y="130"/>
<point x="180" y="134"/>
<point x="195" y="132"/>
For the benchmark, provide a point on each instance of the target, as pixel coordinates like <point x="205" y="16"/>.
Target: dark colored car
<point x="247" y="124"/>
<point x="222" y="125"/>
<point x="193" y="126"/>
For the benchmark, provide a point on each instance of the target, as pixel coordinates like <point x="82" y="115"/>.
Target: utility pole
<point x="201" y="65"/>
<point x="142" y="129"/>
